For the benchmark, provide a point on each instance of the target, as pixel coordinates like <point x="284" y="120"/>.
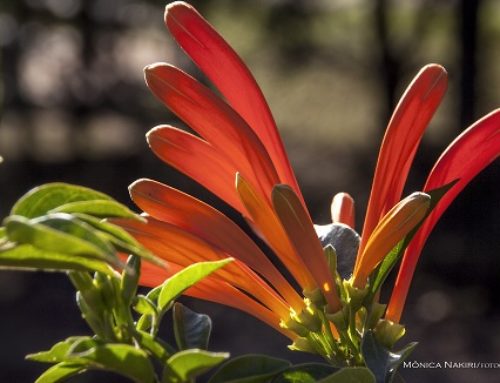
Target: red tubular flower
<point x="239" y="157"/>
<point x="464" y="158"/>
<point x="238" y="136"/>
<point x="401" y="139"/>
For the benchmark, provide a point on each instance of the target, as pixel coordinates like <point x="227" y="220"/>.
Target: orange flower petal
<point x="220" y="63"/>
<point x="214" y="120"/>
<point x="264" y="217"/>
<point x="176" y="245"/>
<point x="182" y="210"/>
<point x="299" y="227"/>
<point x="392" y="228"/>
<point x="197" y="159"/>
<point x="465" y="157"/>
<point x="403" y="134"/>
<point x="342" y="209"/>
<point x="214" y="290"/>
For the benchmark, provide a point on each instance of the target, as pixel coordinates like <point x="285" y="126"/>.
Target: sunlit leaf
<point x="130" y="279"/>
<point x="120" y="239"/>
<point x="60" y="233"/>
<point x="188" y="364"/>
<point x="97" y="208"/>
<point x="178" y="283"/>
<point x="60" y="372"/>
<point x="123" y="359"/>
<point x="144" y="305"/>
<point x="28" y="257"/>
<point x="60" y="352"/>
<point x="42" y="199"/>
<point x="160" y="349"/>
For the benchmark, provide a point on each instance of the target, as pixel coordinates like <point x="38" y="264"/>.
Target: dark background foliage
<point x="74" y="108"/>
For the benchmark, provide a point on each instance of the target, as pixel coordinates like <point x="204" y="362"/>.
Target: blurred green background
<point x="74" y="108"/>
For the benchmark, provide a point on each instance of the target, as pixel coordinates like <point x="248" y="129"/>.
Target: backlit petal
<point x="342" y="209"/>
<point x="214" y="120"/>
<point x="391" y="229"/>
<point x="176" y="245"/>
<point x="197" y="159"/>
<point x="220" y="63"/>
<point x="403" y="134"/>
<point x="300" y="230"/>
<point x="182" y="210"/>
<point x="471" y="152"/>
<point x="264" y="217"/>
<point x="214" y="290"/>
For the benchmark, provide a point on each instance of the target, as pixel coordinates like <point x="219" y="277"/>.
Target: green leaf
<point x="188" y="364"/>
<point x="60" y="352"/>
<point x="144" y="306"/>
<point x="97" y="208"/>
<point x="120" y="239"/>
<point x="388" y="263"/>
<point x="66" y="350"/>
<point x="192" y="330"/>
<point x="381" y="361"/>
<point x="108" y="228"/>
<point x="120" y="358"/>
<point x="159" y="349"/>
<point x="249" y="369"/>
<point x="130" y="279"/>
<point x="60" y="372"/>
<point x="42" y="199"/>
<point x="350" y="375"/>
<point x="184" y="279"/>
<point x="28" y="257"/>
<point x="305" y="373"/>
<point x="60" y="233"/>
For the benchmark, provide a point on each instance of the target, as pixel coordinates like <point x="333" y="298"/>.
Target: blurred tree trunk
<point x="388" y="65"/>
<point x="468" y="15"/>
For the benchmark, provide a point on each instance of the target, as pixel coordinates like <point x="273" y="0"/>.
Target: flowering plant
<point x="190" y="247"/>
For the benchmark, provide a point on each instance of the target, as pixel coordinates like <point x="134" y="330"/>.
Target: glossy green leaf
<point x="188" y="364"/>
<point x="42" y="199"/>
<point x="92" y="314"/>
<point x="97" y="208"/>
<point x="58" y="353"/>
<point x="305" y="373"/>
<point x="139" y="250"/>
<point x="350" y="375"/>
<point x="107" y="227"/>
<point x="130" y="279"/>
<point x="249" y="369"/>
<point x="60" y="372"/>
<point x="184" y="279"/>
<point x="28" y="257"/>
<point x="144" y="306"/>
<point x="60" y="233"/>
<point x="159" y="349"/>
<point x="381" y="361"/>
<point x="123" y="359"/>
<point x="120" y="239"/>
<point x="63" y="351"/>
<point x="192" y="330"/>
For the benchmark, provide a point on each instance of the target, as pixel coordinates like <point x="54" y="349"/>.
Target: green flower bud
<point x="388" y="333"/>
